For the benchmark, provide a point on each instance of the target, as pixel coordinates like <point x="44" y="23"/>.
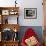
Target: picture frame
<point x="7" y="34"/>
<point x="30" y="13"/>
<point x="5" y="12"/>
<point x="13" y="12"/>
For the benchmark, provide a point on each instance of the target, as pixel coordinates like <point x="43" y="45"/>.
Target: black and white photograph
<point x="30" y="13"/>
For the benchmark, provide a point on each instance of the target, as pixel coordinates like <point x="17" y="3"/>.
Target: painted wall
<point x="26" y="4"/>
<point x="32" y="4"/>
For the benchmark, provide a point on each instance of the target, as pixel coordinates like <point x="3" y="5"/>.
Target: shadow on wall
<point x="37" y="29"/>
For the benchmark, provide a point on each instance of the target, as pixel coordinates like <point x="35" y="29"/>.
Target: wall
<point x="26" y="4"/>
<point x="32" y="4"/>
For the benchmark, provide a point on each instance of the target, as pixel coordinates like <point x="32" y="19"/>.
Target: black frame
<point x="32" y="11"/>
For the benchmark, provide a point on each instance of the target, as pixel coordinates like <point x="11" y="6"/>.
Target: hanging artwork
<point x="30" y="13"/>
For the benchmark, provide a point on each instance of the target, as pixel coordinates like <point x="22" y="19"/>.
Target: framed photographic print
<point x="5" y="12"/>
<point x="30" y="13"/>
